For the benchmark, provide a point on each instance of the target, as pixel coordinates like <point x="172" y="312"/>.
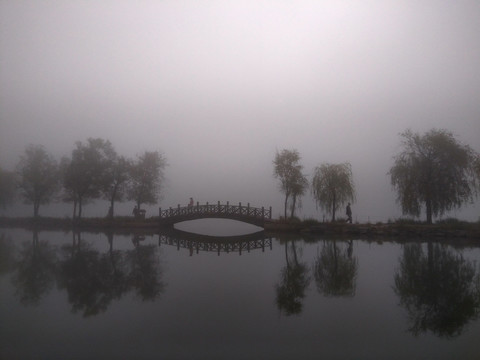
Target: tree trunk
<point x="36" y="206"/>
<point x="74" y="209"/>
<point x="293" y="207"/>
<point x="79" y="208"/>
<point x="285" y="207"/>
<point x="334" y="207"/>
<point x="112" y="201"/>
<point x="110" y="211"/>
<point x="428" y="205"/>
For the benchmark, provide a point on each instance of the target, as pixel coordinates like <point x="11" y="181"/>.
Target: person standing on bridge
<point x="190" y="203"/>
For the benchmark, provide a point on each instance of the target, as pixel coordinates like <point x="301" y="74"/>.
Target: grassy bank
<point x="450" y="228"/>
<point x="66" y="224"/>
<point x="402" y="228"/>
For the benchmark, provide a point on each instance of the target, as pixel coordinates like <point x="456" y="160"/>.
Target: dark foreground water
<point x="94" y="296"/>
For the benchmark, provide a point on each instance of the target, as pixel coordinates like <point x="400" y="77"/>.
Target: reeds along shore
<point x="444" y="230"/>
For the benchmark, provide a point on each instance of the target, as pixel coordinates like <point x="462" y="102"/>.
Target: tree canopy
<point x="146" y="178"/>
<point x="433" y="170"/>
<point x="37" y="176"/>
<point x="84" y="175"/>
<point x="293" y="183"/>
<point x="117" y="176"/>
<point x="333" y="186"/>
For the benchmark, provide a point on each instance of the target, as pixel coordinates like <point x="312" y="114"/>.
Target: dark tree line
<point x="433" y="173"/>
<point x="93" y="171"/>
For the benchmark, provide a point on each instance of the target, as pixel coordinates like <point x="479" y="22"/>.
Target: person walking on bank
<point x="349" y="213"/>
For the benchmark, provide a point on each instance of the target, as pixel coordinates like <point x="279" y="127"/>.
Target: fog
<point x="219" y="86"/>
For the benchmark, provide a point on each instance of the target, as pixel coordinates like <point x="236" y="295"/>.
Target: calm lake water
<point x="177" y="296"/>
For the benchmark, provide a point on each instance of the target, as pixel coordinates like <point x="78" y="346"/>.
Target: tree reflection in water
<point x="92" y="279"/>
<point x="34" y="270"/>
<point x="144" y="271"/>
<point x="294" y="280"/>
<point x="86" y="276"/>
<point x="440" y="290"/>
<point x="335" y="270"/>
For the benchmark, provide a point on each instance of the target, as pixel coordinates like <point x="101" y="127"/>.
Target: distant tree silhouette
<point x="293" y="183"/>
<point x="333" y="186"/>
<point x="37" y="177"/>
<point x="117" y="176"/>
<point x="84" y="175"/>
<point x="436" y="171"/>
<point x="146" y="178"/>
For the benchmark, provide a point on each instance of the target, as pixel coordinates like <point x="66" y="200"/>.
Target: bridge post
<point x="270" y="213"/>
<point x="263" y="213"/>
<point x="160" y="212"/>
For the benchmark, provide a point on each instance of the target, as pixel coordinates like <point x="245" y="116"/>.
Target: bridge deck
<point x="248" y="214"/>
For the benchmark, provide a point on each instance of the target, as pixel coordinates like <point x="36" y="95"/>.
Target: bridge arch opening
<point x="217" y="227"/>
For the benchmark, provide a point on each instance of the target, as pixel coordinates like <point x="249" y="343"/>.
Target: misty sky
<point x="219" y="86"/>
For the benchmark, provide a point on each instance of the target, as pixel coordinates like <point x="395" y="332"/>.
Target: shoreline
<point x="459" y="230"/>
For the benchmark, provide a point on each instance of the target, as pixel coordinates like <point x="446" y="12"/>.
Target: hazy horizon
<point x="219" y="86"/>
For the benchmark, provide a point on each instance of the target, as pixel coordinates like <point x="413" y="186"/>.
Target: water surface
<point x="100" y="296"/>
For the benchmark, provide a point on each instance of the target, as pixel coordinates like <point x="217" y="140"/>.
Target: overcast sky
<point x="219" y="86"/>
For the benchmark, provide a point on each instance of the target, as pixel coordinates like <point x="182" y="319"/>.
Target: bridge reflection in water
<point x="219" y="244"/>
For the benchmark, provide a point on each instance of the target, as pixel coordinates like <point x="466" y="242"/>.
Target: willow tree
<point x="288" y="170"/>
<point x="333" y="186"/>
<point x="434" y="171"/>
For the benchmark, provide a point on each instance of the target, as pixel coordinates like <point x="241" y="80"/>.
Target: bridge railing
<point x="213" y="209"/>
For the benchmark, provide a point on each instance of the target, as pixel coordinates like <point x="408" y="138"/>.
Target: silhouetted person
<point x="191" y="202"/>
<point x="135" y="211"/>
<point x="349" y="214"/>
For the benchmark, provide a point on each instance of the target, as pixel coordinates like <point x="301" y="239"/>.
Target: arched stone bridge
<point x="247" y="214"/>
